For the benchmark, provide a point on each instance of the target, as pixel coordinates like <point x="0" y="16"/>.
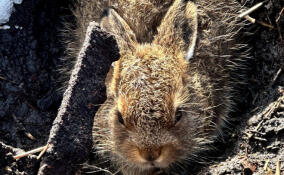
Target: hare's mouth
<point x="149" y="165"/>
<point x="153" y="165"/>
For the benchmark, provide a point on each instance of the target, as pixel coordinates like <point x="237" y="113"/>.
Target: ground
<point x="30" y="56"/>
<point x="259" y="139"/>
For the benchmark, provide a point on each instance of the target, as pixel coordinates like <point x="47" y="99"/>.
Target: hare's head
<point x="155" y="118"/>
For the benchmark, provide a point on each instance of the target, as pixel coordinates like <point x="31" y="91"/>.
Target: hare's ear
<point x="116" y="25"/>
<point x="178" y="29"/>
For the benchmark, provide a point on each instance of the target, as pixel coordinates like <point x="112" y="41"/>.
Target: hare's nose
<point x="150" y="154"/>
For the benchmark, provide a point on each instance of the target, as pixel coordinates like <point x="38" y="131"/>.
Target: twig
<point x="255" y="109"/>
<point x="266" y="165"/>
<point x="265" y="24"/>
<point x="7" y="168"/>
<point x="42" y="152"/>
<point x="276" y="76"/>
<point x="258" y="126"/>
<point x="277" y="172"/>
<point x="260" y="139"/>
<point x="250" y="10"/>
<point x="280" y="15"/>
<point x="5" y="79"/>
<point x="249" y="135"/>
<point x="29" y="135"/>
<point x="250" y="19"/>
<point x="254" y="99"/>
<point x="277" y="23"/>
<point x="271" y="108"/>
<point x="29" y="153"/>
<point x="268" y="19"/>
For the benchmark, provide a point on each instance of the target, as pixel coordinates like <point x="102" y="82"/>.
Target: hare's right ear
<point x="178" y="29"/>
<point x="113" y="23"/>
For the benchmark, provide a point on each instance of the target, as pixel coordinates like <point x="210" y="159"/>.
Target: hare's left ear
<point x="178" y="29"/>
<point x="113" y="23"/>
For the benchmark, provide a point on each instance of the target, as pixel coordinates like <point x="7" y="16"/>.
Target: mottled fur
<point x="164" y="69"/>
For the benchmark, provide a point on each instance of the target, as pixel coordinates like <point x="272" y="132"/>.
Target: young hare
<point x="172" y="89"/>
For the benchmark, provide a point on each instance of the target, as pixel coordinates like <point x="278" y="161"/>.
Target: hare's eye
<point x="119" y="117"/>
<point x="178" y="115"/>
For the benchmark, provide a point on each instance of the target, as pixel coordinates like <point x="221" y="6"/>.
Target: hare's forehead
<point x="148" y="100"/>
<point x="149" y="73"/>
<point x="147" y="85"/>
<point x="145" y="99"/>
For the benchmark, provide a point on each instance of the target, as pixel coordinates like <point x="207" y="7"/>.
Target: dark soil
<point x="30" y="55"/>
<point x="260" y="137"/>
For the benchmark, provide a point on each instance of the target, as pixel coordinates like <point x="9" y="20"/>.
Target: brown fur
<point x="152" y="80"/>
